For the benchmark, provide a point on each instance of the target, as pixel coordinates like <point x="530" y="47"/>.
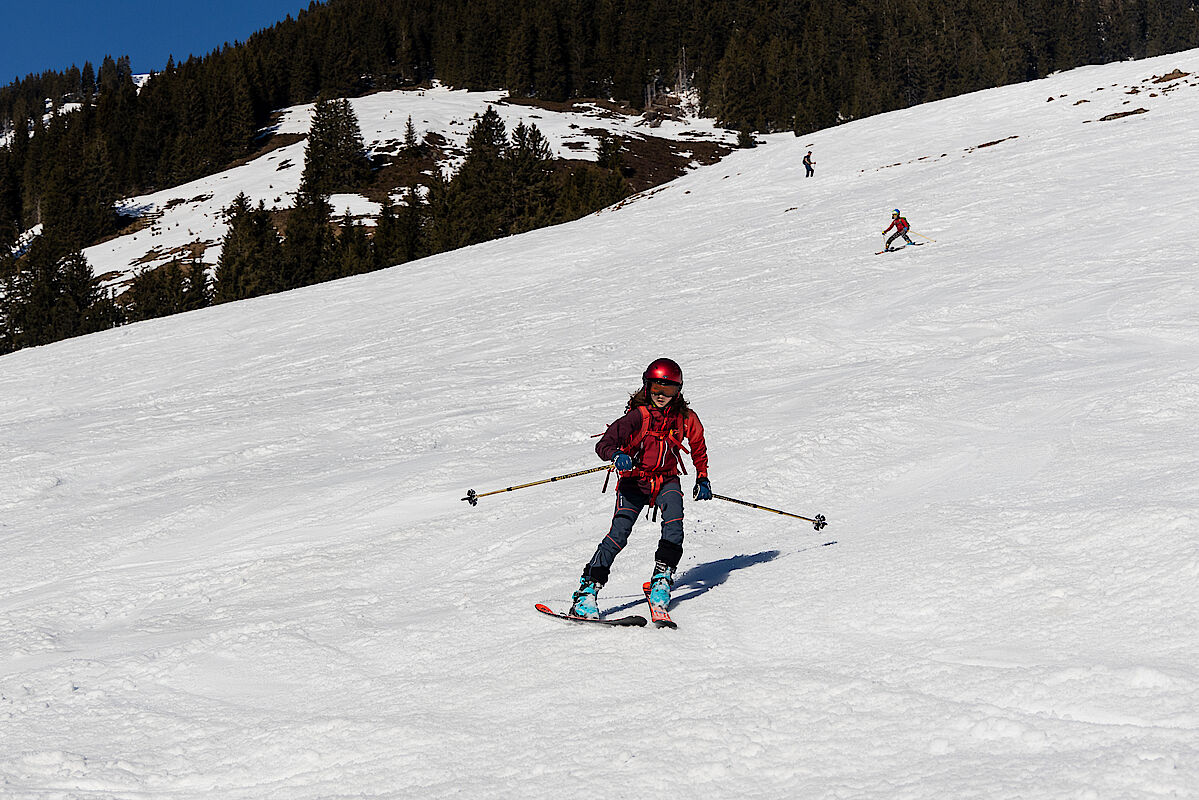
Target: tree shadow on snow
<point x="703" y="577"/>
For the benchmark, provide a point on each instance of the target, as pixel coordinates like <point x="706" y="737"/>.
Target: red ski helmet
<point x="664" y="370"/>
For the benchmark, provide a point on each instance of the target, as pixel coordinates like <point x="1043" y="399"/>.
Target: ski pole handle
<point x="472" y="496"/>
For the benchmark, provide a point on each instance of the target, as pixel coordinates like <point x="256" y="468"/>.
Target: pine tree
<point x="408" y="240"/>
<point x="53" y="296"/>
<point x="529" y="191"/>
<point x="608" y="152"/>
<point x="440" y="232"/>
<point x="353" y="249"/>
<point x="550" y="76"/>
<point x="104" y="312"/>
<point x="9" y="312"/>
<point x="238" y="253"/>
<point x="585" y="189"/>
<point x="386" y="244"/>
<point x="97" y="206"/>
<point x="87" y="82"/>
<point x="475" y="199"/>
<point x="251" y="260"/>
<point x="116" y="110"/>
<point x="518" y="77"/>
<point x="335" y="156"/>
<point x="412" y="142"/>
<point x="197" y="288"/>
<point x="308" y="247"/>
<point x="155" y="293"/>
<point x="10" y="201"/>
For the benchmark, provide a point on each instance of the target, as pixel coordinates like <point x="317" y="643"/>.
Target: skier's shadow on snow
<point x="703" y="577"/>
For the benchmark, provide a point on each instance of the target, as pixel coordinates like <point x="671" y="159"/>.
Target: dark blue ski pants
<point x="630" y="502"/>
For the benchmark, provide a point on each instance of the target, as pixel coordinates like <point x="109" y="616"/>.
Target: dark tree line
<point x="50" y="295"/>
<point x="507" y="184"/>
<point x="757" y="65"/>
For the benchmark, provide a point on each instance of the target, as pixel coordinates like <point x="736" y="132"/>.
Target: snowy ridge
<point x="237" y="565"/>
<point x="193" y="214"/>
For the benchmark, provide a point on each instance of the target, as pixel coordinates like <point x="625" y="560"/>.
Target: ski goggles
<point x="666" y="389"/>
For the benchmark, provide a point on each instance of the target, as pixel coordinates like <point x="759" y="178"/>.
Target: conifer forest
<point x="756" y="65"/>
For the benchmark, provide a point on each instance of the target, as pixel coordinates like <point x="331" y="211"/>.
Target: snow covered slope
<point x="236" y="564"/>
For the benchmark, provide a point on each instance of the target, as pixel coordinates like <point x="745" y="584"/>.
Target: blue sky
<point x="52" y="35"/>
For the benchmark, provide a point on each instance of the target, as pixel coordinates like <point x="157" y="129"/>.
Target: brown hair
<point x="677" y="403"/>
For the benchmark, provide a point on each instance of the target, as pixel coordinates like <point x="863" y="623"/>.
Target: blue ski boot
<point x="583" y="604"/>
<point x="659" y="585"/>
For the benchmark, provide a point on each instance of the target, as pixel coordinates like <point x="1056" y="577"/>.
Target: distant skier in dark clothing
<point x="644" y="447"/>
<point x="901" y="227"/>
<point x="807" y="163"/>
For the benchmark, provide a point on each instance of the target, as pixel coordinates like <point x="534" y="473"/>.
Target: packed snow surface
<point x="236" y="564"/>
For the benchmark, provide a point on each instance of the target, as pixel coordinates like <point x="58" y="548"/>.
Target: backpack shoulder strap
<point x="639" y="434"/>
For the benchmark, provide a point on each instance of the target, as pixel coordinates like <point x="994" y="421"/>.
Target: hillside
<point x="237" y="564"/>
<point x="190" y="219"/>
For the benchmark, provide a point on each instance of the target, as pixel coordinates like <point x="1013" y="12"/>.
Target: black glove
<point x="703" y="489"/>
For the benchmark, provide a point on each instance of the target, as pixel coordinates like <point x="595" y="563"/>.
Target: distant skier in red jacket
<point x="901" y="227"/>
<point x="644" y="446"/>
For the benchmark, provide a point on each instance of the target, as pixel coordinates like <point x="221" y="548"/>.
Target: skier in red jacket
<point x="901" y="227"/>
<point x="644" y="446"/>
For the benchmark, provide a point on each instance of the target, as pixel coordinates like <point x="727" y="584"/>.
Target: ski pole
<point x="473" y="498"/>
<point x="817" y="521"/>
<point x="921" y="235"/>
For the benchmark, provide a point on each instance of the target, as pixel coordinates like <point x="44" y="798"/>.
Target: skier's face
<point x="660" y="394"/>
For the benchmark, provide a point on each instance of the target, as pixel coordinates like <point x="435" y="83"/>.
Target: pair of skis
<point x="657" y="614"/>
<point x="893" y="249"/>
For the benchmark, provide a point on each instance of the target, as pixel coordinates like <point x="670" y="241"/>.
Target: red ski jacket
<point x="653" y="437"/>
<point x="899" y="223"/>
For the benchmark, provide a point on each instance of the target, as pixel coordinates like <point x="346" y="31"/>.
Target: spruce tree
<point x="54" y="296"/>
<point x="197" y="288"/>
<point x="154" y="293"/>
<point x="87" y="81"/>
<point x="386" y="244"/>
<point x="608" y="152"/>
<point x="476" y="196"/>
<point x="550" y="76"/>
<point x="8" y="301"/>
<point x="238" y="253"/>
<point x="335" y="157"/>
<point x="412" y="142"/>
<point x="264" y="274"/>
<point x="529" y="191"/>
<point x="10" y="201"/>
<point x="308" y="247"/>
<point x="353" y="249"/>
<point x="400" y="236"/>
<point x="251" y="260"/>
<point x="521" y="54"/>
<point x="585" y="189"/>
